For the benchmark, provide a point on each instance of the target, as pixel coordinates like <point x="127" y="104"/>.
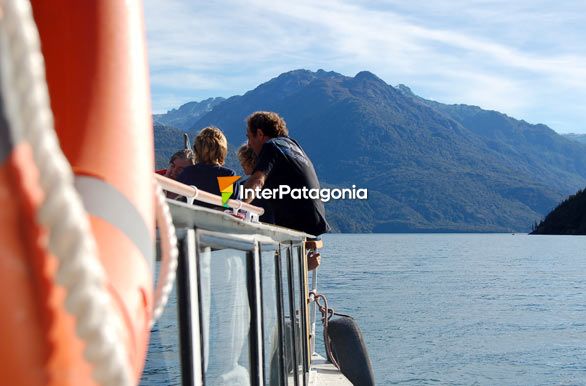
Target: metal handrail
<point x="193" y="193"/>
<point x="200" y="226"/>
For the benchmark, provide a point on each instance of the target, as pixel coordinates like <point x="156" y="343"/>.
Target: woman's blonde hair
<point x="210" y="146"/>
<point x="246" y="156"/>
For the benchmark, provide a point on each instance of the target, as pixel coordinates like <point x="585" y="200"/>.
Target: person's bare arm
<point x="256" y="180"/>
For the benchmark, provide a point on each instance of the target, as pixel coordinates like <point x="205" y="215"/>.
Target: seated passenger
<point x="179" y="161"/>
<point x="247" y="160"/>
<point x="210" y="146"/>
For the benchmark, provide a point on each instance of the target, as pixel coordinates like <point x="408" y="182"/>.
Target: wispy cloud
<point x="524" y="58"/>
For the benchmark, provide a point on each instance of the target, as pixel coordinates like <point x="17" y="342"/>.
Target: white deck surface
<point x="323" y="373"/>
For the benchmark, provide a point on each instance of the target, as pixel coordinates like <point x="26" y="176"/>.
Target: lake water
<point x="455" y="309"/>
<point x="487" y="309"/>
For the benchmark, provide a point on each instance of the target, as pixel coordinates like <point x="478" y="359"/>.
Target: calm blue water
<point x="464" y="309"/>
<point x="452" y="309"/>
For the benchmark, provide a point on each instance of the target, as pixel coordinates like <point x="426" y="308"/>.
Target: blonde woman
<point x="210" y="146"/>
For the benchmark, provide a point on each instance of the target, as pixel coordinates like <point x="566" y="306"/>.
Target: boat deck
<point x="323" y="373"/>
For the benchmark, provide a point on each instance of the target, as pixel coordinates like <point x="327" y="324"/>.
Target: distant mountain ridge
<point x="428" y="166"/>
<point x="529" y="145"/>
<point x="187" y="114"/>
<point x="576" y="137"/>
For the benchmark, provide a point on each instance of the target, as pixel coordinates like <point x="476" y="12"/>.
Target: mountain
<point x="168" y="140"/>
<point x="535" y="148"/>
<point x="429" y="167"/>
<point x="568" y="218"/>
<point x="186" y="115"/>
<point x="576" y="137"/>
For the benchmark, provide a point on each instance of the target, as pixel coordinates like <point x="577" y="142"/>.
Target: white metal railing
<point x="193" y="193"/>
<point x="275" y="278"/>
<point x="215" y="292"/>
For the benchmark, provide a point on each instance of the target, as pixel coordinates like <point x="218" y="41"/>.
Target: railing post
<point x="281" y="316"/>
<point x="292" y="294"/>
<point x="188" y="310"/>
<point x="313" y="311"/>
<point x="256" y="335"/>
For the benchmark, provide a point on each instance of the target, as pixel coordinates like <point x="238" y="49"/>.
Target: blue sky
<point x="525" y="58"/>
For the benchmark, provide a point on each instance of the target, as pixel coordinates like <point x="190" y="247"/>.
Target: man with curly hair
<point x="282" y="161"/>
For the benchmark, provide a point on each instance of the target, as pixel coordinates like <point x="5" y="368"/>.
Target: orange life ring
<point x="97" y="74"/>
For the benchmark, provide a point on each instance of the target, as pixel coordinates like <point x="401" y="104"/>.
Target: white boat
<point x="245" y="314"/>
